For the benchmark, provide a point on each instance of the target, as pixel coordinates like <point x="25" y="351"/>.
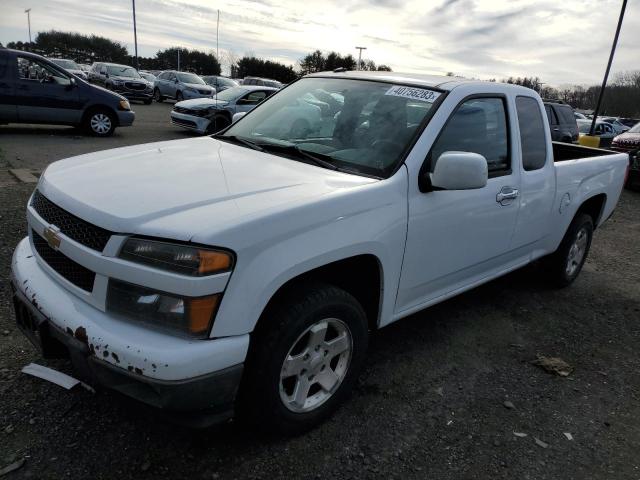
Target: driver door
<point x="45" y="94"/>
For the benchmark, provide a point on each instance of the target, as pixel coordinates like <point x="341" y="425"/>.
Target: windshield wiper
<point x="300" y="153"/>
<point x="239" y="141"/>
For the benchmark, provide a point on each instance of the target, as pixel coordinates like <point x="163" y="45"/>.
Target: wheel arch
<point x="593" y="206"/>
<point x="359" y="275"/>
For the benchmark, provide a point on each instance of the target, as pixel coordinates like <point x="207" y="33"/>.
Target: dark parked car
<point x="562" y="121"/>
<point x="35" y="90"/>
<point x="122" y="79"/>
<point x="629" y="142"/>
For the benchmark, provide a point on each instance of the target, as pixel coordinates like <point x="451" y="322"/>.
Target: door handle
<point x="507" y="195"/>
<point x="556" y="129"/>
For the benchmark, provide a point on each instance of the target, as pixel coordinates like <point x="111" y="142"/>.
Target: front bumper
<point x="190" y="122"/>
<point x="155" y="368"/>
<point x="125" y="118"/>
<point x="134" y="94"/>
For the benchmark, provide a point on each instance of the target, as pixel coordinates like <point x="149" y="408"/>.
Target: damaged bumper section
<point x="147" y="365"/>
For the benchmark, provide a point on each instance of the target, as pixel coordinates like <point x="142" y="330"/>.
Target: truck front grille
<point x="74" y="272"/>
<point x="73" y="227"/>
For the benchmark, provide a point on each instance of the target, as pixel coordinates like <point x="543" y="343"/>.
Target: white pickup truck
<point x="243" y="272"/>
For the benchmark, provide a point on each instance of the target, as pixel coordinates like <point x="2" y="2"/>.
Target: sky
<point x="561" y="41"/>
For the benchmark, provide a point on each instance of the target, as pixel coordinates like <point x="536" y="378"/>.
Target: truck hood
<point x="178" y="188"/>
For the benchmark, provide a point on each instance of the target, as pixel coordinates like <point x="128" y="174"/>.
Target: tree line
<point x="94" y="48"/>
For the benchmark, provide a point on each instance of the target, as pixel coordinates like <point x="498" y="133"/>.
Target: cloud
<point x="561" y="43"/>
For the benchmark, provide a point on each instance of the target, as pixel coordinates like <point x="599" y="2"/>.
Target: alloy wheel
<point x="577" y="252"/>
<point x="316" y="365"/>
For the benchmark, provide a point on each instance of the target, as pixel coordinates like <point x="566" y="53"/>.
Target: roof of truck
<point x="434" y="81"/>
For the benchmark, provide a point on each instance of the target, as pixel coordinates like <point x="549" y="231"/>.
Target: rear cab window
<point x="532" y="133"/>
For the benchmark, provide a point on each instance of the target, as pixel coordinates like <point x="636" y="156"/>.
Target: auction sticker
<point x="421" y="94"/>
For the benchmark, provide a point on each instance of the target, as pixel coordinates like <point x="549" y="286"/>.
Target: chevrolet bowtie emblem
<point x="52" y="238"/>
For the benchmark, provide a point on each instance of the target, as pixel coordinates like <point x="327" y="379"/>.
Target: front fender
<point x="265" y="266"/>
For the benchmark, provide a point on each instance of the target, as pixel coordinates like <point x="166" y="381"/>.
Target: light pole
<point x="606" y="73"/>
<point x="360" y="57"/>
<point x="135" y="34"/>
<point x="28" y="12"/>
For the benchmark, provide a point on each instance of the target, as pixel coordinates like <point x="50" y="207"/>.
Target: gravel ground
<point x="430" y="403"/>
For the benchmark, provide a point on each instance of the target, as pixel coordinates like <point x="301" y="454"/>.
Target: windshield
<point x="360" y="126"/>
<point x="122" y="71"/>
<point x="635" y="128"/>
<point x="68" y="64"/>
<point x="148" y="76"/>
<point x="231" y="93"/>
<point x="189" y="78"/>
<point x="220" y="81"/>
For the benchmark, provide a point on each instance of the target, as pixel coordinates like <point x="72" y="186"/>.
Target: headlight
<point x="184" y="259"/>
<point x="124" y="105"/>
<point x="189" y="316"/>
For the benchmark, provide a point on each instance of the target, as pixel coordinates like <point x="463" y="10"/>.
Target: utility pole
<point x="28" y="12"/>
<point x="217" y="51"/>
<point x="360" y="57"/>
<point x="606" y="73"/>
<point x="135" y="34"/>
<point x="178" y="58"/>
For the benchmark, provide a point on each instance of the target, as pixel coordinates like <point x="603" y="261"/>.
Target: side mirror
<point x="238" y="116"/>
<point x="460" y="171"/>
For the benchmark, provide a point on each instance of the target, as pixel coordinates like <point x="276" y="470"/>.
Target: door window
<point x="532" y="138"/>
<point x="551" y="115"/>
<point x="478" y="125"/>
<point x="33" y="70"/>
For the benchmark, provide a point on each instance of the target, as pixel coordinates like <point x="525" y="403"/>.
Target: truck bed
<point x="568" y="151"/>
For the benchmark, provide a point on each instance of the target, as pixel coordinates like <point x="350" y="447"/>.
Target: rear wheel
<point x="157" y="96"/>
<point x="304" y="360"/>
<point x="565" y="264"/>
<point x="100" y="122"/>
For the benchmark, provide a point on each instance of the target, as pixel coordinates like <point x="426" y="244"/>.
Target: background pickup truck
<point x="243" y="272"/>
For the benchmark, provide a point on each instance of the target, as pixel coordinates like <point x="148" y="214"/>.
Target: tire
<point x="218" y="122"/>
<point x="564" y="265"/>
<point x="100" y="122"/>
<point x="179" y="97"/>
<point x="148" y="101"/>
<point x="326" y="370"/>
<point x="157" y="96"/>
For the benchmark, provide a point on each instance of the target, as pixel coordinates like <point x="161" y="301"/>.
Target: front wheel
<point x="179" y="97"/>
<point x="564" y="265"/>
<point x="217" y="123"/>
<point x="100" y="122"/>
<point x="157" y="96"/>
<point x="304" y="359"/>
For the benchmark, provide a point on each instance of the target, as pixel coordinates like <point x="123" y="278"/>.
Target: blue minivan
<point x="35" y="90"/>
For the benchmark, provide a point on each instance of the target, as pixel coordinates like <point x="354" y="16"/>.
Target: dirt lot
<point x="430" y="403"/>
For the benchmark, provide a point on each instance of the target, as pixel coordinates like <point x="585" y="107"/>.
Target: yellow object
<point x="211" y="262"/>
<point x="589" y="141"/>
<point x="201" y="312"/>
